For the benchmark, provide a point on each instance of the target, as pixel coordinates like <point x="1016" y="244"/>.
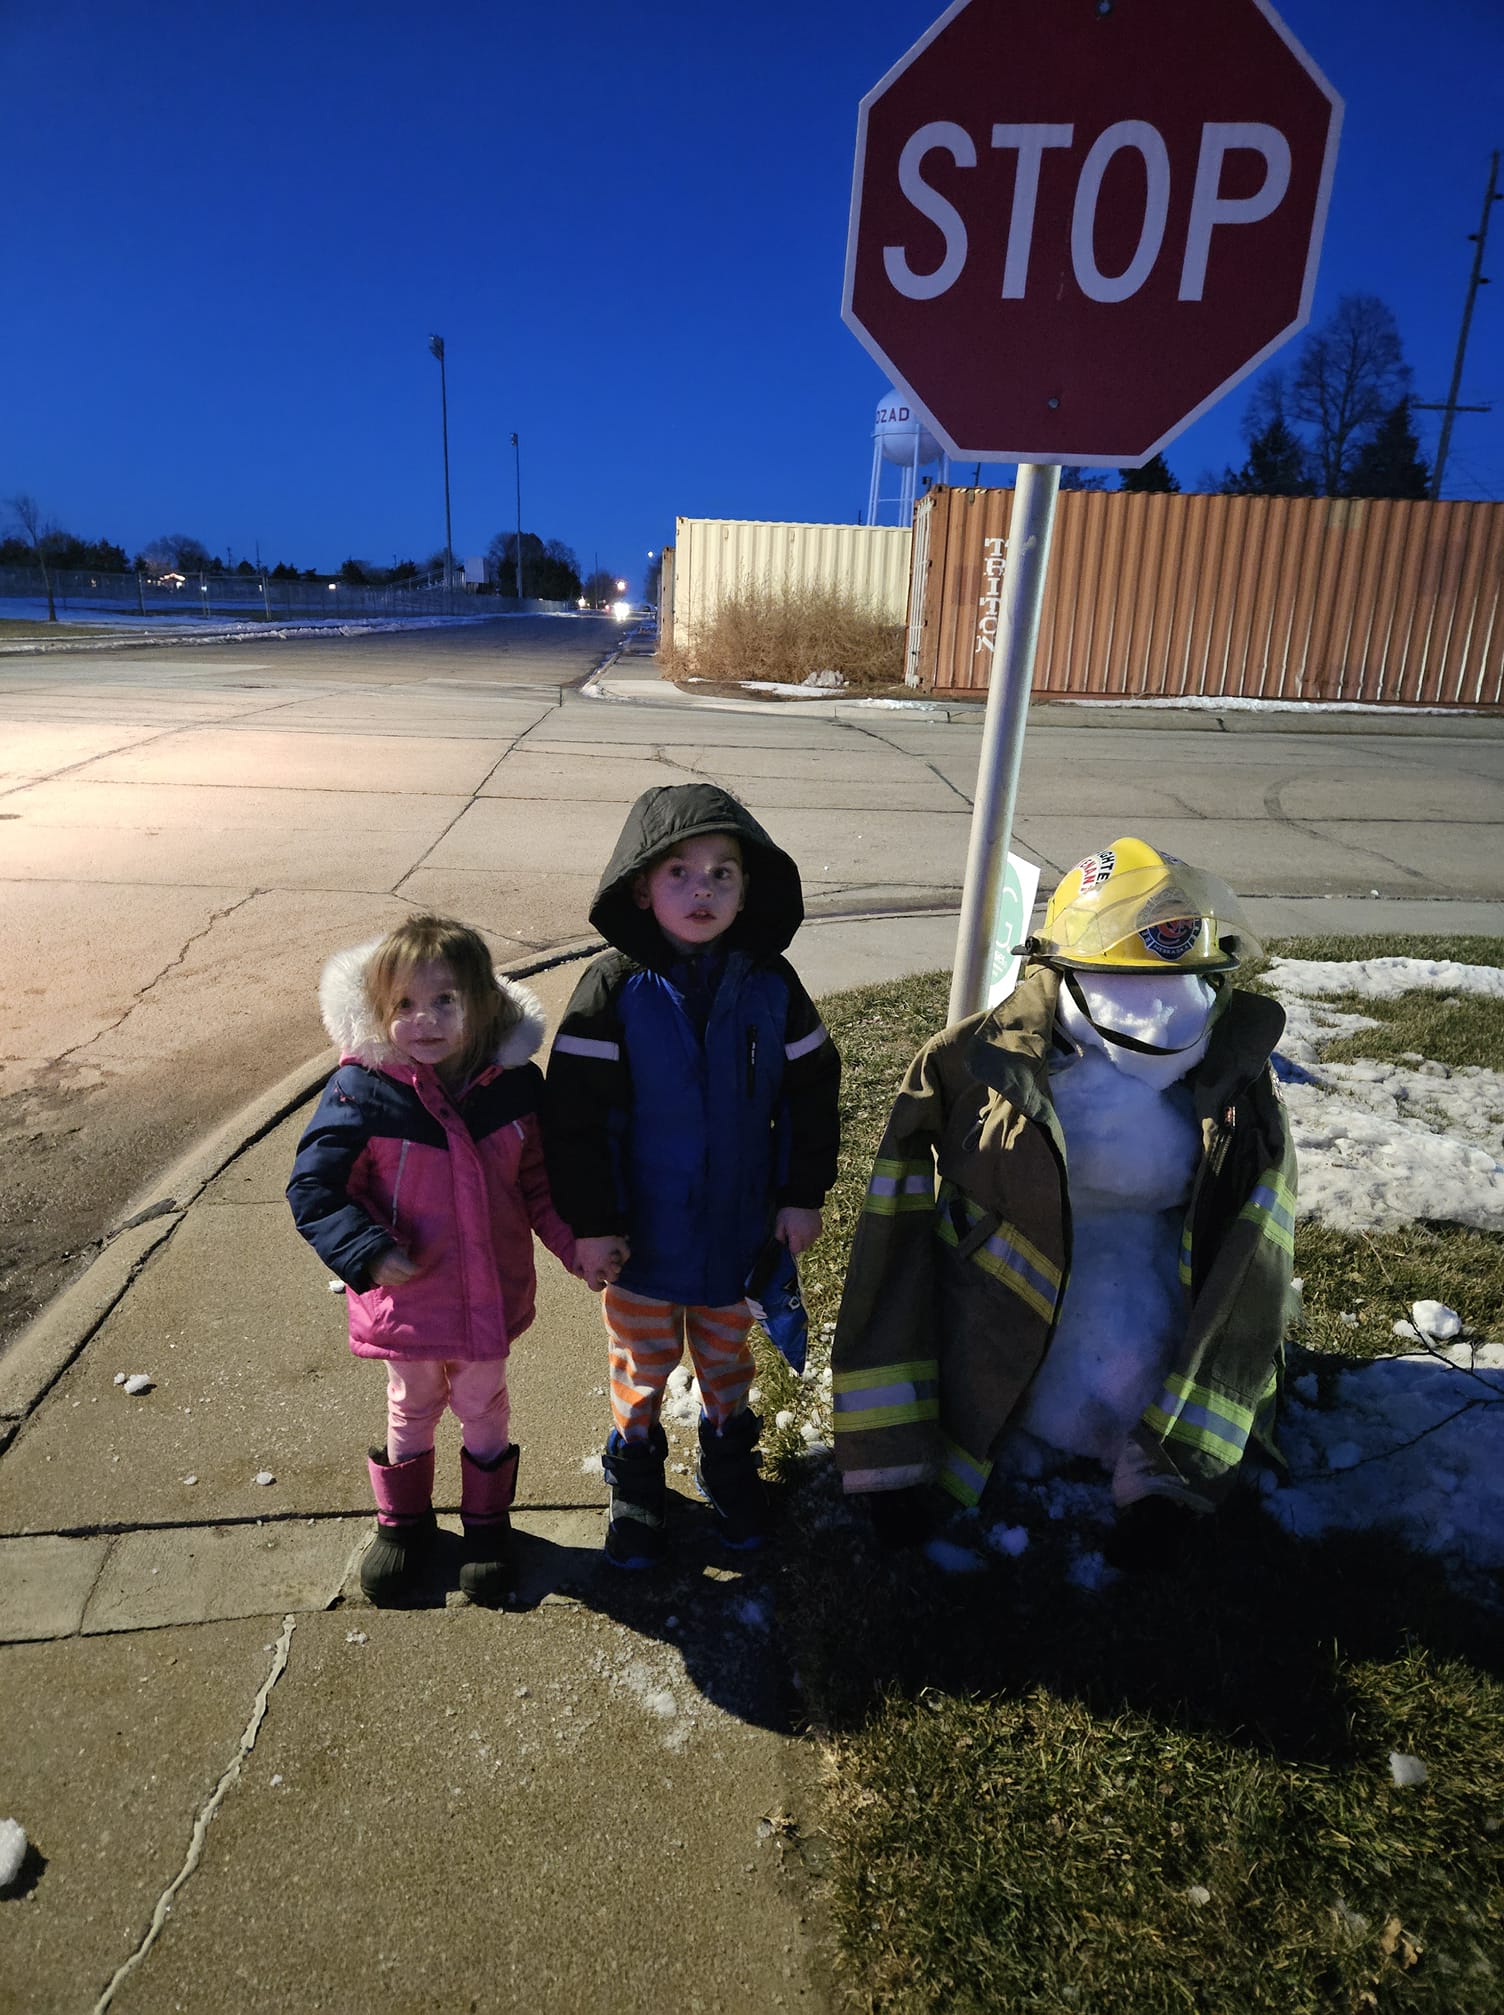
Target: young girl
<point x="420" y="1182"/>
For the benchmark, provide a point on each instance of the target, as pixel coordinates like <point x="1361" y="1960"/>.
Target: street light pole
<point x="517" y="458"/>
<point x="436" y="345"/>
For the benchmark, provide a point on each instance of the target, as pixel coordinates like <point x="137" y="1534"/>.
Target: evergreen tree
<point x="1277" y="466"/>
<point x="1156" y="476"/>
<point x="1389" y="463"/>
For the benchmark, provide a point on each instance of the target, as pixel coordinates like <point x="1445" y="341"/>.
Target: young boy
<point x="691" y="1112"/>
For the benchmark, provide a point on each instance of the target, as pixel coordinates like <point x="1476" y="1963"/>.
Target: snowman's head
<point x="1150" y="1027"/>
<point x="1142" y="941"/>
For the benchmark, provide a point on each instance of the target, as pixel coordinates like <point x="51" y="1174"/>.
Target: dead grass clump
<point x="783" y="634"/>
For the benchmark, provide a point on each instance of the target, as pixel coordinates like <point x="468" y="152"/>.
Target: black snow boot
<point x="639" y="1498"/>
<point x="729" y="1475"/>
<point x="487" y="1490"/>
<point x="393" y="1563"/>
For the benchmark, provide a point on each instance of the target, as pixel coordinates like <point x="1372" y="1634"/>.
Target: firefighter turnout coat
<point x="962" y="1259"/>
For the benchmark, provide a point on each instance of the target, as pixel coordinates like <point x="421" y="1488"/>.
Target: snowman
<point x="1078" y="1236"/>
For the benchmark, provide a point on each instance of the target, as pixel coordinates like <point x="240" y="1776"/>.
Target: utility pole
<point x="436" y="345"/>
<point x="517" y="458"/>
<point x="1476" y="279"/>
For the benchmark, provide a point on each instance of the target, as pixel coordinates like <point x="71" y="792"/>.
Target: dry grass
<point x="784" y="635"/>
<point x="23" y="629"/>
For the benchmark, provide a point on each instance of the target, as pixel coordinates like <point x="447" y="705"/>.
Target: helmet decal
<point x="1096" y="868"/>
<point x="1173" y="938"/>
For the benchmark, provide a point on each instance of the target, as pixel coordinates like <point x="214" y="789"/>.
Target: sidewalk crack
<point x="215" y="916"/>
<point x="216" y="1798"/>
<point x="474" y="798"/>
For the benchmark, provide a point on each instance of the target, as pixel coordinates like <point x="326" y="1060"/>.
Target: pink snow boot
<point x="404" y="1527"/>
<point x="486" y="1493"/>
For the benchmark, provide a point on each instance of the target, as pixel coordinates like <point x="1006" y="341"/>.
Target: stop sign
<point x="1077" y="223"/>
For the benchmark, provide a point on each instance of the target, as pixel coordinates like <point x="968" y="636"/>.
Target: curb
<point x="1278" y="719"/>
<point x="1271" y="717"/>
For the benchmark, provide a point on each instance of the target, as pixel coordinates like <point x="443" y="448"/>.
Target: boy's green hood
<point x="665" y="817"/>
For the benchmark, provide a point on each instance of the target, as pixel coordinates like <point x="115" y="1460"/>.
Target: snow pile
<point x="681" y="1399"/>
<point x="1406" y="1770"/>
<point x="12" y="1851"/>
<point x="1412" y="1445"/>
<point x="1383" y="979"/>
<point x="1381" y="1144"/>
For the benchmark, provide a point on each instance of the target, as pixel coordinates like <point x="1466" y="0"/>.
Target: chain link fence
<point x="248" y="597"/>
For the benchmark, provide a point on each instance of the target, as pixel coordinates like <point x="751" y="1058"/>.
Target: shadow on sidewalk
<point x="713" y="1608"/>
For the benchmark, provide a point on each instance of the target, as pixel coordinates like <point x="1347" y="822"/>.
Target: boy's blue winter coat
<point x="690" y="1141"/>
<point x="699" y="1157"/>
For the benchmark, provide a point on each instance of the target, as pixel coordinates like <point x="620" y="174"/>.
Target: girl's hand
<point x="797" y="1228"/>
<point x="393" y="1269"/>
<point x="600" y="1260"/>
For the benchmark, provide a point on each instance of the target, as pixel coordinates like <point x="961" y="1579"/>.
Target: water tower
<point x="901" y="438"/>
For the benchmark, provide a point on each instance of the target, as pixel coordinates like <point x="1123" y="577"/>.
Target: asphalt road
<point x="186" y="832"/>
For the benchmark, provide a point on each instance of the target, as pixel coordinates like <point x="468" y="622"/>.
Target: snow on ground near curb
<point x="1381" y="1144"/>
<point x="164" y="626"/>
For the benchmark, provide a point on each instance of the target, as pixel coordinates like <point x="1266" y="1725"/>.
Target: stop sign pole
<point x="1074" y="228"/>
<point x="1001" y="758"/>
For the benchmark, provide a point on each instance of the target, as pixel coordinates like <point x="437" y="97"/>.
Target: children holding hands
<point x="691" y="1122"/>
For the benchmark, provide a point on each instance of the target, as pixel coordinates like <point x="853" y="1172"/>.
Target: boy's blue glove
<point x="774" y="1299"/>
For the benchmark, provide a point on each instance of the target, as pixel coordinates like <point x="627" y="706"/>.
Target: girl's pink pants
<point x="417" y="1391"/>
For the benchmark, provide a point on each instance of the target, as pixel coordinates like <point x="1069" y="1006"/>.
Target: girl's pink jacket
<point x="459" y="1184"/>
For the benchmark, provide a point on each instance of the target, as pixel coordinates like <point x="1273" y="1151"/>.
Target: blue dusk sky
<point x="234" y="227"/>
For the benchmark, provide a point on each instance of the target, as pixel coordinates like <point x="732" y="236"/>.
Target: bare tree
<point x="178" y="550"/>
<point x="1350" y="373"/>
<point x="38" y="533"/>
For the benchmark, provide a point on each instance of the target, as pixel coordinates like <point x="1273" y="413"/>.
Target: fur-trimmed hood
<point x="352" y="1025"/>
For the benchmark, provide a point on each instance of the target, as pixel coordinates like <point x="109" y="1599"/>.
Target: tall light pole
<point x="436" y="345"/>
<point x="517" y="458"/>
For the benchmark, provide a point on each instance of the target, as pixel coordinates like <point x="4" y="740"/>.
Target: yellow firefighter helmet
<point x="1132" y="909"/>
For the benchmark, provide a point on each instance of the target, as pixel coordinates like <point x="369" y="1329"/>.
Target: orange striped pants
<point x="646" y="1340"/>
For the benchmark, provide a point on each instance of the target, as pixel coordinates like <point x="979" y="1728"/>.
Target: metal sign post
<point x="1008" y="690"/>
